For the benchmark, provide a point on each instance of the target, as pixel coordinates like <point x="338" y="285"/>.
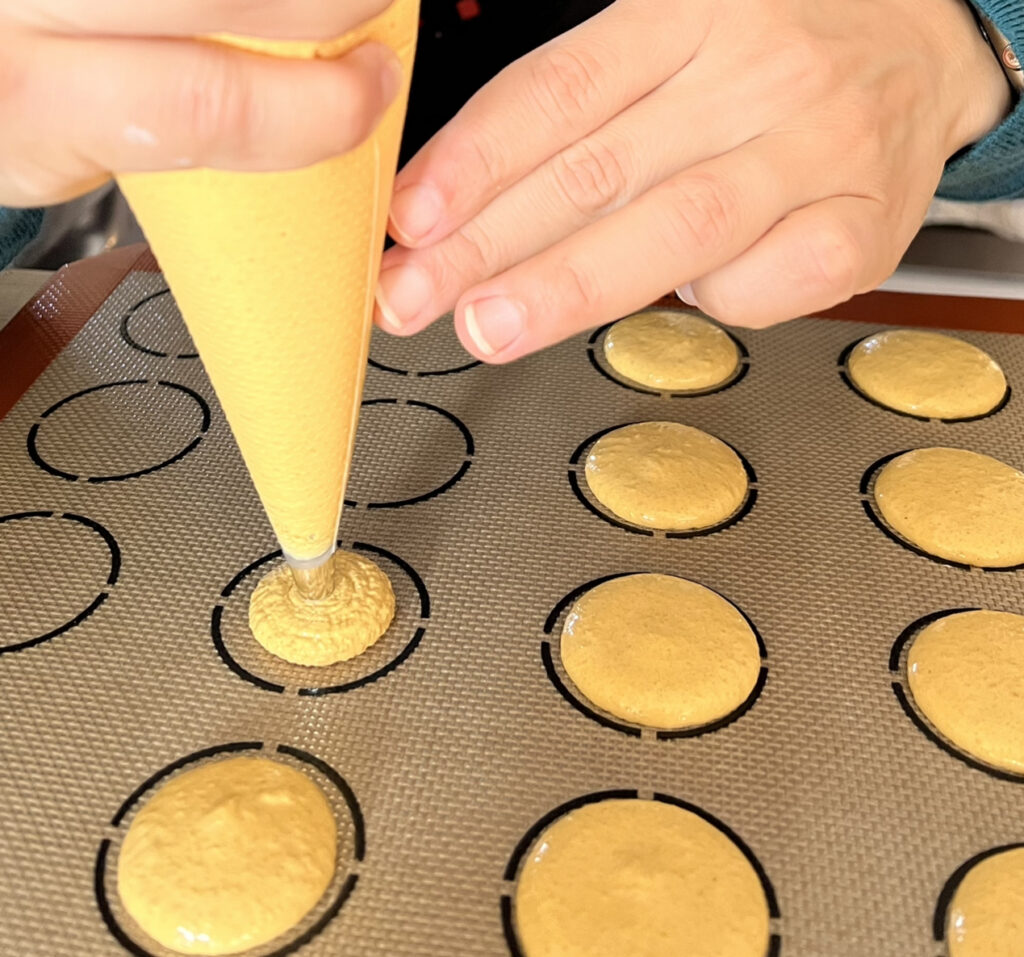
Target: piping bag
<point x="275" y="274"/>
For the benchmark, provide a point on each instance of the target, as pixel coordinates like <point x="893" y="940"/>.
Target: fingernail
<point x="686" y="294"/>
<point x="416" y="210"/>
<point x="402" y="294"/>
<point x="494" y="324"/>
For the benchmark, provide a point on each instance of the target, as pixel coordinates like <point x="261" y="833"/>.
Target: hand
<point x="770" y="157"/>
<point x="93" y="86"/>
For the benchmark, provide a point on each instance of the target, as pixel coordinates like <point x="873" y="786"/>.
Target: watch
<point x="1002" y="48"/>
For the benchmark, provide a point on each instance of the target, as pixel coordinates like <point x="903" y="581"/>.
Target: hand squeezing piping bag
<point x="274" y="274"/>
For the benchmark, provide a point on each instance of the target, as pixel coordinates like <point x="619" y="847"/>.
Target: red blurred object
<point x="468" y="9"/>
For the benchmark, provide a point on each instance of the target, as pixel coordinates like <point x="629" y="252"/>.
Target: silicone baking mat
<point x="131" y="539"/>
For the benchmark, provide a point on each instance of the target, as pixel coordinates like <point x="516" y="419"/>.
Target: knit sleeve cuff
<point x="993" y="168"/>
<point x="18" y="227"/>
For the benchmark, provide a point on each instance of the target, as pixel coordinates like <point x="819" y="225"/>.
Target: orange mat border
<point x="44" y="326"/>
<point x="56" y="314"/>
<point x="917" y="309"/>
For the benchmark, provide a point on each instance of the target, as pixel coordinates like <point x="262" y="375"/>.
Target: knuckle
<point x="834" y="259"/>
<point x="733" y="302"/>
<point x="720" y="300"/>
<point x="28" y="176"/>
<point x="703" y="213"/>
<point x="217" y="105"/>
<point x="478" y="158"/>
<point x="565" y="83"/>
<point x="806" y="64"/>
<point x="327" y="21"/>
<point x="592" y="177"/>
<point x="231" y="11"/>
<point x="44" y="15"/>
<point x="859" y="115"/>
<point x="718" y="304"/>
<point x="467" y="256"/>
<point x="372" y="8"/>
<point x="15" y="77"/>
<point x="583" y="291"/>
<point x="28" y="184"/>
<point x="357" y="101"/>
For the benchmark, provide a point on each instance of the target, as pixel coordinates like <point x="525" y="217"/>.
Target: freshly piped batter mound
<point x="966" y="673"/>
<point x="336" y="628"/>
<point x="671" y="350"/>
<point x="227" y="856"/>
<point x="666" y="475"/>
<point x="660" y="651"/>
<point x="986" y="916"/>
<point x="927" y="374"/>
<point x="957" y="505"/>
<point x="634" y="878"/>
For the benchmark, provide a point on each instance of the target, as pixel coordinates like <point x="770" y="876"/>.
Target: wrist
<point x="979" y="91"/>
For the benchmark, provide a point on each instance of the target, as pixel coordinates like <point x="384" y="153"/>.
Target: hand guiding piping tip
<point x="403" y="292"/>
<point x="493" y="324"/>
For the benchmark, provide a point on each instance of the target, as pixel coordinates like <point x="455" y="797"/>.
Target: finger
<point x="589" y="179"/>
<point x="14" y="194"/>
<point x="280" y="19"/>
<point x="816" y="257"/>
<point x="686" y="226"/>
<point x="163" y="104"/>
<point x="548" y="99"/>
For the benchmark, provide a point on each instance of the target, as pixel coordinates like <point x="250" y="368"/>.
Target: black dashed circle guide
<point x="58" y="570"/>
<point x="842" y="364"/>
<point x="905" y="697"/>
<point x="423" y="375"/>
<point x="940" y="918"/>
<point x="154" y="326"/>
<point x="407" y="452"/>
<point x="429" y="354"/>
<point x="600" y="364"/>
<point x="119" y="431"/>
<point x="578" y="483"/>
<point x="550" y="656"/>
<point x="515" y="862"/>
<point x="247" y="659"/>
<point x="868" y="504"/>
<point x="343" y="801"/>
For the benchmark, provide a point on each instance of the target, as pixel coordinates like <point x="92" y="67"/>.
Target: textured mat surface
<point x="131" y="539"/>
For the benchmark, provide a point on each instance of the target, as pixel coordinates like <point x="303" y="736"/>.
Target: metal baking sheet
<point x="131" y="538"/>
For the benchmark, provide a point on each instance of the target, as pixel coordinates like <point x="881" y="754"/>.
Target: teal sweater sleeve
<point x="18" y="227"/>
<point x="994" y="167"/>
